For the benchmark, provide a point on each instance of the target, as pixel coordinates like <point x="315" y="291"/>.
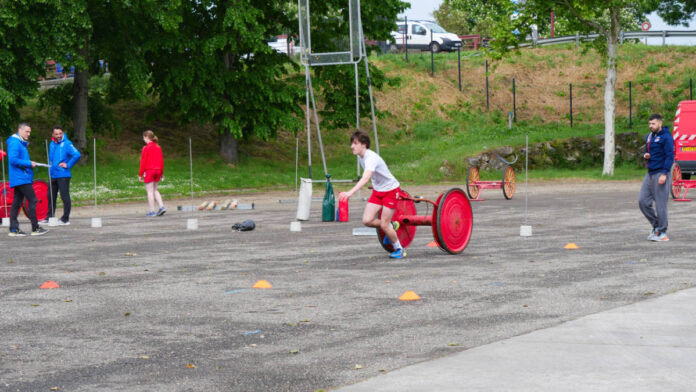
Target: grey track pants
<point x="651" y="192"/>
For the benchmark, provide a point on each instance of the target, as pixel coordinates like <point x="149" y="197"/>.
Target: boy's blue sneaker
<point x="398" y="254"/>
<point x="151" y="213"/>
<point x="161" y="211"/>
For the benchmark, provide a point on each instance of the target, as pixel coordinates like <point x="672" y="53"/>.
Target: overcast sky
<point x="422" y="9"/>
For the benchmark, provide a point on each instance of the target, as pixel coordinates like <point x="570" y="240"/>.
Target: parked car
<point x="424" y="35"/>
<point x="280" y="44"/>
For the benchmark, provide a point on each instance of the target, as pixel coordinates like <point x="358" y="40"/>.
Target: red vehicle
<point x="684" y="134"/>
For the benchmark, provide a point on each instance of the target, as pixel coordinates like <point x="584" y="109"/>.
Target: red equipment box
<point x="684" y="134"/>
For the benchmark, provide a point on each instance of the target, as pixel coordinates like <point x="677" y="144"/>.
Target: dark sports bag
<point x="247" y="225"/>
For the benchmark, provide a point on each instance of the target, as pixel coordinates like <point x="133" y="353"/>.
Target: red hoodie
<point x="151" y="158"/>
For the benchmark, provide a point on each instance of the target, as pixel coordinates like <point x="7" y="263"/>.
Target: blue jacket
<point x="660" y="145"/>
<point x="18" y="158"/>
<point x="63" y="152"/>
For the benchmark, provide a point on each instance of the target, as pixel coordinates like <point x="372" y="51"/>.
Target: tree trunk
<point x="229" y="148"/>
<point x="609" y="95"/>
<point x="81" y="93"/>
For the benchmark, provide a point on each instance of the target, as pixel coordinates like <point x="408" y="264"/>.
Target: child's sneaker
<point x="398" y="254"/>
<point x="161" y="211"/>
<point x="39" y="231"/>
<point x="17" y="233"/>
<point x="63" y="223"/>
<point x="662" y="237"/>
<point x="151" y="213"/>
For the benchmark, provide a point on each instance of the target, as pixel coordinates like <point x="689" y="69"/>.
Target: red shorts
<point x="387" y="199"/>
<point x="152" y="176"/>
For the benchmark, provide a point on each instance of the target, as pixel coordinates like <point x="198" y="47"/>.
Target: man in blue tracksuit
<point x="62" y="157"/>
<point x="21" y="180"/>
<point x="659" y="155"/>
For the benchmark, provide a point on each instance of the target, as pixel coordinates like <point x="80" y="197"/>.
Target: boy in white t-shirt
<point x="385" y="191"/>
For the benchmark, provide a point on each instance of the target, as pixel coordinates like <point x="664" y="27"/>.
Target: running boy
<point x="384" y="193"/>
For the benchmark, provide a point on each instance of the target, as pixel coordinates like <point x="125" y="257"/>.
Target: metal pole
<point x="630" y="105"/>
<point x="432" y="55"/>
<point x="309" y="133"/>
<point x="459" y="67"/>
<point x="94" y="154"/>
<point x="316" y="121"/>
<point x="51" y="202"/>
<point x="526" y="170"/>
<point x="514" y="102"/>
<point x="691" y="89"/>
<point x="357" y="98"/>
<point x="487" y="96"/>
<point x="191" y="168"/>
<point x="5" y="190"/>
<point x="369" y="90"/>
<point x="406" y="37"/>
<point x="297" y="160"/>
<point x="571" y="105"/>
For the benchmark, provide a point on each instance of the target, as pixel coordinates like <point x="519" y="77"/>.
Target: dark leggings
<point x="20" y="193"/>
<point x="62" y="185"/>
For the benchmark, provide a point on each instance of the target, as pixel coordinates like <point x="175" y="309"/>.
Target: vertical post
<point x="630" y="105"/>
<point x="571" y="105"/>
<point x="514" y="102"/>
<point x="309" y="133"/>
<point x="94" y="155"/>
<point x="432" y="55"/>
<point x="526" y="171"/>
<point x="459" y="67"/>
<point x="406" y="37"/>
<point x="191" y="168"/>
<point x="691" y="89"/>
<point x="487" y="96"/>
<point x="51" y="202"/>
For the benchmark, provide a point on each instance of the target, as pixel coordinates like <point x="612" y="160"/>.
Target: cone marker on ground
<point x="49" y="284"/>
<point x="261" y="284"/>
<point x="432" y="244"/>
<point x="571" y="245"/>
<point x="409" y="296"/>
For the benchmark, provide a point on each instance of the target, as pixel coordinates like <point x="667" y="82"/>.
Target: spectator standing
<point x="21" y="180"/>
<point x="152" y="171"/>
<point x="659" y="157"/>
<point x="62" y="157"/>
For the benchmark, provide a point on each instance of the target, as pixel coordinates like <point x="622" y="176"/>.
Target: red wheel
<point x="508" y="182"/>
<point x="676" y="189"/>
<point x="405" y="232"/>
<point x="471" y="176"/>
<point x="6" y="197"/>
<point x="455" y="221"/>
<point x="41" y="190"/>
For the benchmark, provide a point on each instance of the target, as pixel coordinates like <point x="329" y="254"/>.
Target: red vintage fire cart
<point x="7" y="196"/>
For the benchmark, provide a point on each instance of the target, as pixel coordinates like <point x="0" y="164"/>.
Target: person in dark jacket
<point x="21" y="180"/>
<point x="152" y="171"/>
<point x="659" y="156"/>
<point x="62" y="157"/>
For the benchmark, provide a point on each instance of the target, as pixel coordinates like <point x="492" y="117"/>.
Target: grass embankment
<point x="427" y="123"/>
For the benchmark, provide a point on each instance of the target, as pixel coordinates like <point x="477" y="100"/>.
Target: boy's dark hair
<point x="56" y="127"/>
<point x="361" y="137"/>
<point x="655" y="116"/>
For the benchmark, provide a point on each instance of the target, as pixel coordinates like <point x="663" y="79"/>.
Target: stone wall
<point x="567" y="153"/>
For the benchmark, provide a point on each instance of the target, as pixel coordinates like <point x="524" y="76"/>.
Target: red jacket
<point x="151" y="158"/>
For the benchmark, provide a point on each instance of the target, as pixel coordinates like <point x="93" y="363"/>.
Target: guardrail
<point x="664" y="34"/>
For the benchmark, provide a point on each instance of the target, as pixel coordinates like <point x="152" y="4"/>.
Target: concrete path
<point x="647" y="346"/>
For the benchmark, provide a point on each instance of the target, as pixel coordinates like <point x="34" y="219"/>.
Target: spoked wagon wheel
<point x="508" y="182"/>
<point x="471" y="176"/>
<point x="405" y="232"/>
<point x="41" y="190"/>
<point x="455" y="221"/>
<point x="6" y="197"/>
<point x="676" y="189"/>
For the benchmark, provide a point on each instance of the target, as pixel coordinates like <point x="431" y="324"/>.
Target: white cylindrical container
<point x="6" y="222"/>
<point x="53" y="221"/>
<point x="296" y="226"/>
<point x="305" y="199"/>
<point x="96" y="222"/>
<point x="192" y="224"/>
<point x="525" y="231"/>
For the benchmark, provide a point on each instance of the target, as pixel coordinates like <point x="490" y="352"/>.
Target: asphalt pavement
<point x="146" y="305"/>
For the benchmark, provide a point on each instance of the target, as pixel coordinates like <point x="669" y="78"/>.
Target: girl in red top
<point x="151" y="171"/>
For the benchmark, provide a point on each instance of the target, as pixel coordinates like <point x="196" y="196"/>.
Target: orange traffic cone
<point x="409" y="296"/>
<point x="432" y="244"/>
<point x="49" y="284"/>
<point x="571" y="245"/>
<point x="261" y="284"/>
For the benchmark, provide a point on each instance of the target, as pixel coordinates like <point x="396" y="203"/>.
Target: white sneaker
<point x="61" y="223"/>
<point x="652" y="234"/>
<point x="662" y="237"/>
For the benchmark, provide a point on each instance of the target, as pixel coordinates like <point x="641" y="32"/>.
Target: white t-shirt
<point x="382" y="179"/>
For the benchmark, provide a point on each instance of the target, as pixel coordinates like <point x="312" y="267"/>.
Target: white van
<point x="418" y="35"/>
